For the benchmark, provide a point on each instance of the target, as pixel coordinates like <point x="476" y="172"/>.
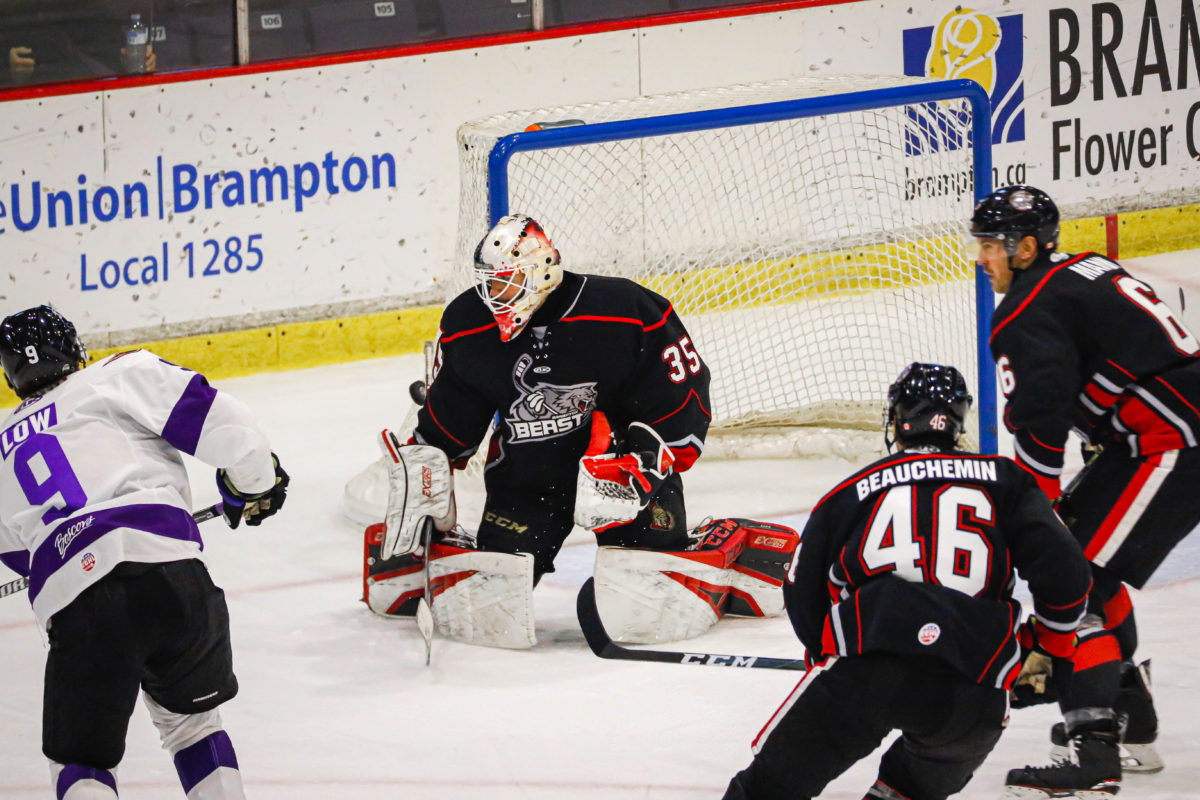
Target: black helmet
<point x="928" y="404"/>
<point x="38" y="347"/>
<point x="1014" y="212"/>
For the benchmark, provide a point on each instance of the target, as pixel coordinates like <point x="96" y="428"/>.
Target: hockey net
<point x="810" y="257"/>
<point x="808" y="231"/>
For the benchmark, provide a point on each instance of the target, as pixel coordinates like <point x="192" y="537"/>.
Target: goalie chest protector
<point x="598" y="343"/>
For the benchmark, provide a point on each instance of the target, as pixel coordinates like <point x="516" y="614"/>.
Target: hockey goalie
<point x="600" y="402"/>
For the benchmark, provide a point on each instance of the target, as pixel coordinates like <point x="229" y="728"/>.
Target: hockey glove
<point x="1033" y="635"/>
<point x="254" y="508"/>
<point x="1046" y="665"/>
<point x="420" y="486"/>
<point x="614" y="487"/>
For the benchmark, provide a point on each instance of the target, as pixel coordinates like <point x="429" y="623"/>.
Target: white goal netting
<point x="811" y="258"/>
<point x="812" y="253"/>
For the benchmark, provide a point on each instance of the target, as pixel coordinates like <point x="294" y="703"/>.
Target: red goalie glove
<point x="616" y="483"/>
<point x="642" y="464"/>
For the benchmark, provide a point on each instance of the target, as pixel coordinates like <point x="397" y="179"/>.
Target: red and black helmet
<point x="928" y="405"/>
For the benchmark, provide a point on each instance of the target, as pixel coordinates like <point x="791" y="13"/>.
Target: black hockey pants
<point x="162" y="628"/>
<point x="840" y="713"/>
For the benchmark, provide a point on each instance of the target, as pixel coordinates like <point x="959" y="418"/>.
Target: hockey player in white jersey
<point x="95" y="508"/>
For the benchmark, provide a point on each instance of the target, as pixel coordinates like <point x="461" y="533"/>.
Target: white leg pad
<point x="391" y="587"/>
<point x="763" y="595"/>
<point x="483" y="598"/>
<point x="75" y="782"/>
<point x="649" y="596"/>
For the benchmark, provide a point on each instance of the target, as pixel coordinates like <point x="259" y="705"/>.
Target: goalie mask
<point x="1013" y="212"/>
<point x="516" y="268"/>
<point x="927" y="405"/>
<point x="39" y="347"/>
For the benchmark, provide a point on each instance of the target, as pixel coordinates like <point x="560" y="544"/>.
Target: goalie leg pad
<point x="391" y="586"/>
<point x="482" y="597"/>
<point x="760" y="569"/>
<point x="652" y="596"/>
<point x="761" y="553"/>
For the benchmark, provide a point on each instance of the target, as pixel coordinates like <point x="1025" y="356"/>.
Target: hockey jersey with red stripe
<point x="596" y="344"/>
<point x="915" y="555"/>
<point x="1080" y="343"/>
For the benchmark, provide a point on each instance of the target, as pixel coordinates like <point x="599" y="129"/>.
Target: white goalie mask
<point x="516" y="268"/>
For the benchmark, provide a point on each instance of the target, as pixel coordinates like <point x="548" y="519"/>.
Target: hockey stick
<point x="603" y="645"/>
<point x="424" y="613"/>
<point x="21" y="584"/>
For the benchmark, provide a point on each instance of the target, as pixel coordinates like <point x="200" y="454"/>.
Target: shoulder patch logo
<point x="546" y="410"/>
<point x="930" y="632"/>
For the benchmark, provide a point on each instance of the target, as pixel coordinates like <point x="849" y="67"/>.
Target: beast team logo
<point x="544" y="410"/>
<point x="975" y="45"/>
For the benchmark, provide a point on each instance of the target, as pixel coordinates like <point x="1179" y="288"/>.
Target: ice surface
<point x="336" y="703"/>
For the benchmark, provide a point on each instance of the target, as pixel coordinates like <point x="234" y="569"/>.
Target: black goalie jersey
<point x="1080" y="343"/>
<point x="914" y="555"/>
<point x="596" y="344"/>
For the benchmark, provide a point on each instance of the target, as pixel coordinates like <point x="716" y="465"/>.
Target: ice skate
<point x="1089" y="768"/>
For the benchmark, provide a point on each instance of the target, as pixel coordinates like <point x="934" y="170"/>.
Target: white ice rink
<point x="336" y="702"/>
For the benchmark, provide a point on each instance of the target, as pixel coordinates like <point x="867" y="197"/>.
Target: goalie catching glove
<point x="617" y="482"/>
<point x="420" y="486"/>
<point x="254" y="508"/>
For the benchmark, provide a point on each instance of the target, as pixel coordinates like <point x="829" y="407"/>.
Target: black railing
<point x="70" y="40"/>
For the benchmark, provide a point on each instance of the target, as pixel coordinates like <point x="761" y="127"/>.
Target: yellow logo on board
<point x="964" y="46"/>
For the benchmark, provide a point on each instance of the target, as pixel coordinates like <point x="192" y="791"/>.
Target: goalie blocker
<point x="736" y="566"/>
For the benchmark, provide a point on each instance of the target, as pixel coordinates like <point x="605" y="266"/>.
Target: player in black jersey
<point x="1080" y="344"/>
<point x="600" y="401"/>
<point x="901" y="592"/>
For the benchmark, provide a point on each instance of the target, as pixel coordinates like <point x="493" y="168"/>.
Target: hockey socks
<point x="77" y="782"/>
<point x="208" y="769"/>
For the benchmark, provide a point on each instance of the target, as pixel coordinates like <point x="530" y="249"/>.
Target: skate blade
<point x="1031" y="793"/>
<point x="1104" y="792"/>
<point x="1142" y="759"/>
<point x="1101" y="792"/>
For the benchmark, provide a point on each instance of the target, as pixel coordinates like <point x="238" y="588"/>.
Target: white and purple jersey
<point x="91" y="473"/>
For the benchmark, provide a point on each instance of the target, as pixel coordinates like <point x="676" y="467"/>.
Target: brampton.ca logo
<point x="978" y="46"/>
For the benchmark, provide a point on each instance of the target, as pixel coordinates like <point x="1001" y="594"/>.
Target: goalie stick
<point x="424" y="613"/>
<point x="21" y="584"/>
<point x="420" y="392"/>
<point x="603" y="645"/>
